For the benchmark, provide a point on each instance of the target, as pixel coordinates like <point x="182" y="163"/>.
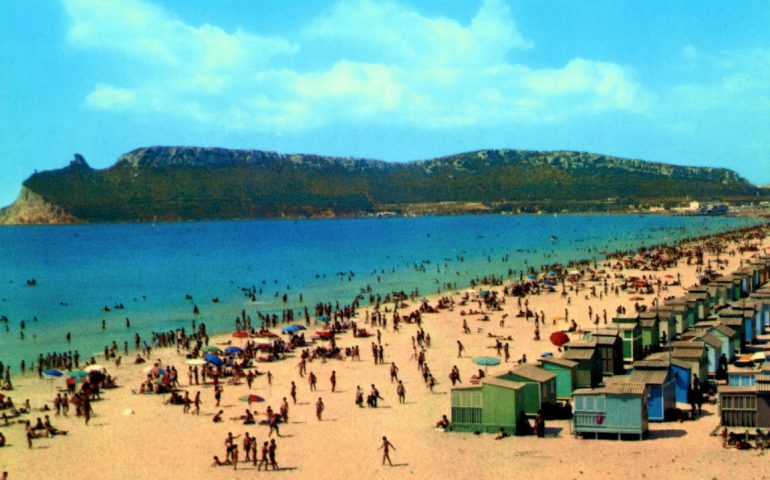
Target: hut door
<point x="763" y="411"/>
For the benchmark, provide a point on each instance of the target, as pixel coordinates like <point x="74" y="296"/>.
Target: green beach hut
<point x="566" y="375"/>
<point x="588" y="358"/>
<point x="487" y="407"/>
<point x="650" y="323"/>
<point x="539" y="386"/>
<point x="631" y="333"/>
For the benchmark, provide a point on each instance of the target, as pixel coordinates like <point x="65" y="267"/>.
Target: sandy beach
<point x="138" y="436"/>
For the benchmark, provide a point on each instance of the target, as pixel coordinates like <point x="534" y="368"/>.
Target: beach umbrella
<point x="486" y="361"/>
<point x="252" y="399"/>
<point x="550" y="283"/>
<point x="52" y="373"/>
<point x="323" y="334"/>
<point x="641" y="283"/>
<point x="532" y="277"/>
<point x="241" y="334"/>
<point x="292" y="328"/>
<point x="214" y="360"/>
<point x="758" y="357"/>
<point x="94" y="368"/>
<point x="559" y="338"/>
<point x="77" y="374"/>
<point x="551" y="273"/>
<point x="211" y="348"/>
<point x="156" y="371"/>
<point x="195" y="361"/>
<point x="233" y="349"/>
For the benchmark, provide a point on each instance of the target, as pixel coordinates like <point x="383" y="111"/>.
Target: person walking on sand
<point x="293" y="392"/>
<point x="264" y="457"/>
<point x="401" y="391"/>
<point x="197" y="402"/>
<point x="284" y="410"/>
<point x="312" y="381"/>
<point x="333" y="380"/>
<point x="385" y="447"/>
<point x="319" y="408"/>
<point x="271" y="454"/>
<point x="460" y="349"/>
<point x="393" y="372"/>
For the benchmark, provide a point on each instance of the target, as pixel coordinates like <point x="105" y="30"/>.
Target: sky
<point x="686" y="82"/>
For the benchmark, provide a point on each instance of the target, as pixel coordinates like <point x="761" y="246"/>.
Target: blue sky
<point x="678" y="82"/>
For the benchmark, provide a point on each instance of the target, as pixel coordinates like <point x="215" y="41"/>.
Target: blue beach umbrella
<point x="486" y="361"/>
<point x="214" y="360"/>
<point x="52" y="373"/>
<point x="292" y="328"/>
<point x="233" y="349"/>
<point x="78" y="374"/>
<point x="550" y="283"/>
<point x="532" y="277"/>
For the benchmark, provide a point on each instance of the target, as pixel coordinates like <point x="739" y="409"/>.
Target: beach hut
<point x="683" y="315"/>
<point x="731" y="285"/>
<point x="566" y="375"/>
<point x="682" y="374"/>
<point x="661" y="387"/>
<point x="589" y="360"/>
<point x="736" y="320"/>
<point x="694" y="354"/>
<point x="616" y="409"/>
<point x="487" y="407"/>
<point x="539" y="386"/>
<point x="713" y="349"/>
<point x="699" y="300"/>
<point x="610" y="345"/>
<point x="718" y="295"/>
<point x="650" y="323"/>
<point x="726" y="336"/>
<point x="631" y="333"/>
<point x="750" y="310"/>
<point x="761" y="299"/>
<point x="738" y="406"/>
<point x="666" y="323"/>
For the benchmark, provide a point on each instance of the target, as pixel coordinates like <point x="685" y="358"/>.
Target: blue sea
<point x="149" y="269"/>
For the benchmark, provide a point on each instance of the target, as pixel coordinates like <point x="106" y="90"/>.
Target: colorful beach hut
<point x="588" y="358"/>
<point x="566" y="375"/>
<point x="610" y="346"/>
<point x="650" y="323"/>
<point x="694" y="354"/>
<point x="487" y="407"/>
<point x="616" y="409"/>
<point x="631" y="333"/>
<point x="539" y="386"/>
<point x="713" y="349"/>
<point x="659" y="379"/>
<point x="726" y="336"/>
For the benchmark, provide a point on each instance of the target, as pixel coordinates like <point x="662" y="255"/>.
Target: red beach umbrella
<point x="559" y="338"/>
<point x="241" y="334"/>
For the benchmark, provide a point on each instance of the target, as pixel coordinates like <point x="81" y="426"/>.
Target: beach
<point x="136" y="435"/>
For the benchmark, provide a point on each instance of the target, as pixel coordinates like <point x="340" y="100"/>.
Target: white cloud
<point x="383" y="63"/>
<point x="107" y="97"/>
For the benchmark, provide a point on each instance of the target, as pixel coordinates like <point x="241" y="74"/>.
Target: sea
<point x="57" y="280"/>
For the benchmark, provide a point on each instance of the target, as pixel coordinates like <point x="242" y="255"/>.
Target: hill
<point x="193" y="183"/>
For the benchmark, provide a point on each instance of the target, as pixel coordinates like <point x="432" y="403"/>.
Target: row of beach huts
<point x="620" y="378"/>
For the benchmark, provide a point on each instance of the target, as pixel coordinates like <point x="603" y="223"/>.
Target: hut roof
<point x="649" y="322"/>
<point x="763" y="387"/>
<point x="578" y="354"/>
<point x="467" y="387"/>
<point x="562" y="362"/>
<point x="689" y="353"/>
<point x="763" y="378"/>
<point x="501" y="382"/>
<point x="697" y="296"/>
<point x="647" y="377"/>
<point x="708" y="339"/>
<point x="626" y="326"/>
<point x="652" y="364"/>
<point x="725" y="330"/>
<point x="624" y="388"/>
<point x="534" y="373"/>
<point x="737" y="389"/>
<point x="687" y="344"/>
<point x="648" y="315"/>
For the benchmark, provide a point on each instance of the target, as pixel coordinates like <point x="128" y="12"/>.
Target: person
<point x="460" y="349"/>
<point x="401" y="391"/>
<point x="218" y="417"/>
<point x="2" y="440"/>
<point x="393" y="372"/>
<point x="540" y="424"/>
<point x="264" y="457"/>
<point x="319" y="408"/>
<point x="359" y="396"/>
<point x="385" y="447"/>
<point x="293" y="392"/>
<point x="443" y="423"/>
<point x="285" y="410"/>
<point x="724" y="437"/>
<point x="522" y="425"/>
<point x="219" y="463"/>
<point x="502" y="434"/>
<point x="274" y="419"/>
<point x="271" y="454"/>
<point x="333" y="380"/>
